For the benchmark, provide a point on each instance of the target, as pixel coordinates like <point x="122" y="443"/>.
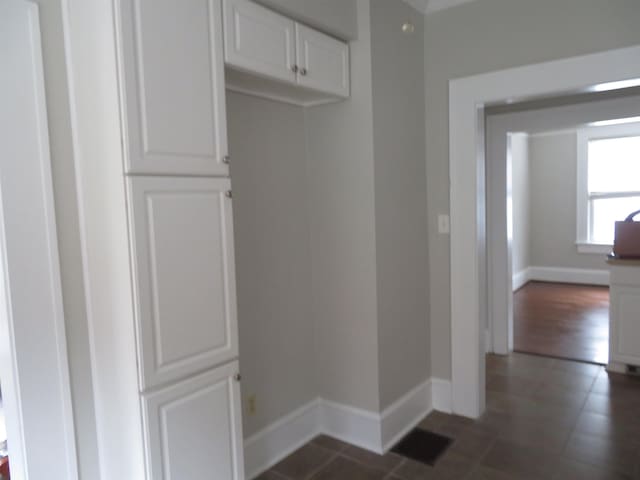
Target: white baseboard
<point x="569" y="275"/>
<point x="273" y="443"/>
<point x="521" y="278"/>
<point x="372" y="431"/>
<point x="405" y="413"/>
<point x="442" y="397"/>
<point x="352" y="425"/>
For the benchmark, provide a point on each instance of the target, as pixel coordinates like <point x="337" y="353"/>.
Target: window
<point x="608" y="182"/>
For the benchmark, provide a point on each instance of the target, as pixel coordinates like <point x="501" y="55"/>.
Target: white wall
<point x="323" y="224"/>
<point x="520" y="195"/>
<point x="338" y="17"/>
<point x="489" y="35"/>
<point x="400" y="198"/>
<point x="343" y="247"/>
<point x="65" y="196"/>
<point x="553" y="203"/>
<point x="552" y="178"/>
<point x="273" y="264"/>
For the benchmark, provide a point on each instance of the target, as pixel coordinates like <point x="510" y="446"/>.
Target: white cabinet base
<point x="624" y="332"/>
<point x="250" y="84"/>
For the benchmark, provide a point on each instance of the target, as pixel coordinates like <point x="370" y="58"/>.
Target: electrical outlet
<point x="251" y="405"/>
<point x="443" y="223"/>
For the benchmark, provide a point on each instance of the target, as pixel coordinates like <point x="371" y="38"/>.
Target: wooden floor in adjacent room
<point x="562" y="320"/>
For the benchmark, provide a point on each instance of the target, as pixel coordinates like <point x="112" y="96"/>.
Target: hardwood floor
<point x="562" y="320"/>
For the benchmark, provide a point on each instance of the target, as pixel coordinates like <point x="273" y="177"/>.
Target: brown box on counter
<point x="626" y="243"/>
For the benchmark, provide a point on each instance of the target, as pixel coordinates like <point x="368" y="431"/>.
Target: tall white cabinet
<point x="624" y="315"/>
<point x="156" y="208"/>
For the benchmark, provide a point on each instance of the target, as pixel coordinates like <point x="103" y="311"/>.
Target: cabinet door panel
<point x="259" y="40"/>
<point x="184" y="276"/>
<point x="193" y="429"/>
<point x="325" y="61"/>
<point x="173" y="86"/>
<point x="625" y="308"/>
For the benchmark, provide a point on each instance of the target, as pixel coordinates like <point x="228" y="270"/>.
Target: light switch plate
<point x="443" y="223"/>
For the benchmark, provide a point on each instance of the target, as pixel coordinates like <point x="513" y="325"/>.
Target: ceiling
<point x="430" y="6"/>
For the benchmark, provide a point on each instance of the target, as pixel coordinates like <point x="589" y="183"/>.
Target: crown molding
<point x="420" y="5"/>
<point x="430" y="6"/>
<point x="437" y="5"/>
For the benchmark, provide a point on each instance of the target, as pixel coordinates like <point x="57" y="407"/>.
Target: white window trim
<point x="584" y="135"/>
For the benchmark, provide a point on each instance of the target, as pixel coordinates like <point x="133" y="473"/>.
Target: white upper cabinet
<point x="323" y="61"/>
<point x="193" y="429"/>
<point x="258" y="40"/>
<point x="182" y="249"/>
<point x="269" y="55"/>
<point x="171" y="56"/>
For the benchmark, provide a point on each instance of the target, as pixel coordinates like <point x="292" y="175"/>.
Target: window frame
<point x="583" y="200"/>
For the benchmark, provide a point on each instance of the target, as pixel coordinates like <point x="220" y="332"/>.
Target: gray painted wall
<point x="273" y="265"/>
<point x="553" y="203"/>
<point x="520" y="194"/>
<point x="343" y="248"/>
<point x="339" y="17"/>
<point x="488" y="35"/>
<point x="331" y="236"/>
<point x="400" y="198"/>
<point x="539" y="119"/>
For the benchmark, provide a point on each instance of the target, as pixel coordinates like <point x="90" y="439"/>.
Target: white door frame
<point x="33" y="351"/>
<point x="467" y="97"/>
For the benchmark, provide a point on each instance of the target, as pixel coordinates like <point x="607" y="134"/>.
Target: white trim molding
<point x="581" y="276"/>
<point x="437" y="5"/>
<point x="521" y="278"/>
<point x="594" y="248"/>
<point x="404" y="414"/>
<point x="430" y="6"/>
<point x="282" y="437"/>
<point x="376" y="432"/>
<point x="352" y="425"/>
<point x="420" y="5"/>
<point x="34" y="363"/>
<point x="442" y="396"/>
<point x="467" y="97"/>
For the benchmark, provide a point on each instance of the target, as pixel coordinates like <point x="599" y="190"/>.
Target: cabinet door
<point x="193" y="429"/>
<point x="182" y="249"/>
<point x="323" y="62"/>
<point x="259" y="40"/>
<point x="625" y="324"/>
<point x="173" y="87"/>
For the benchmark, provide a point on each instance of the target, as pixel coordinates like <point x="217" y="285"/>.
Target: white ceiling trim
<point x="436" y="5"/>
<point x="430" y="6"/>
<point x="420" y="5"/>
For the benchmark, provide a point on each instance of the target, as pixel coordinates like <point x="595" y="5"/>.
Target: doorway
<point x="541" y="149"/>
<point x="468" y="98"/>
<point x="34" y="370"/>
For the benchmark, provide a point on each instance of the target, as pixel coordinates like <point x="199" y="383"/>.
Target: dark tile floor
<point x="562" y="320"/>
<point x="545" y="419"/>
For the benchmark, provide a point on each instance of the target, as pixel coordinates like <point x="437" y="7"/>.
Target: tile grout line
<point x="322" y="466"/>
<point x="396" y="468"/>
<point x="345" y="455"/>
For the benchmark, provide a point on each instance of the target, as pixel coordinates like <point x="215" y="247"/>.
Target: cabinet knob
<point x="303" y="71"/>
<point x="228" y="194"/>
<point x="226" y="159"/>
<point x="294" y="68"/>
<point x="237" y="377"/>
